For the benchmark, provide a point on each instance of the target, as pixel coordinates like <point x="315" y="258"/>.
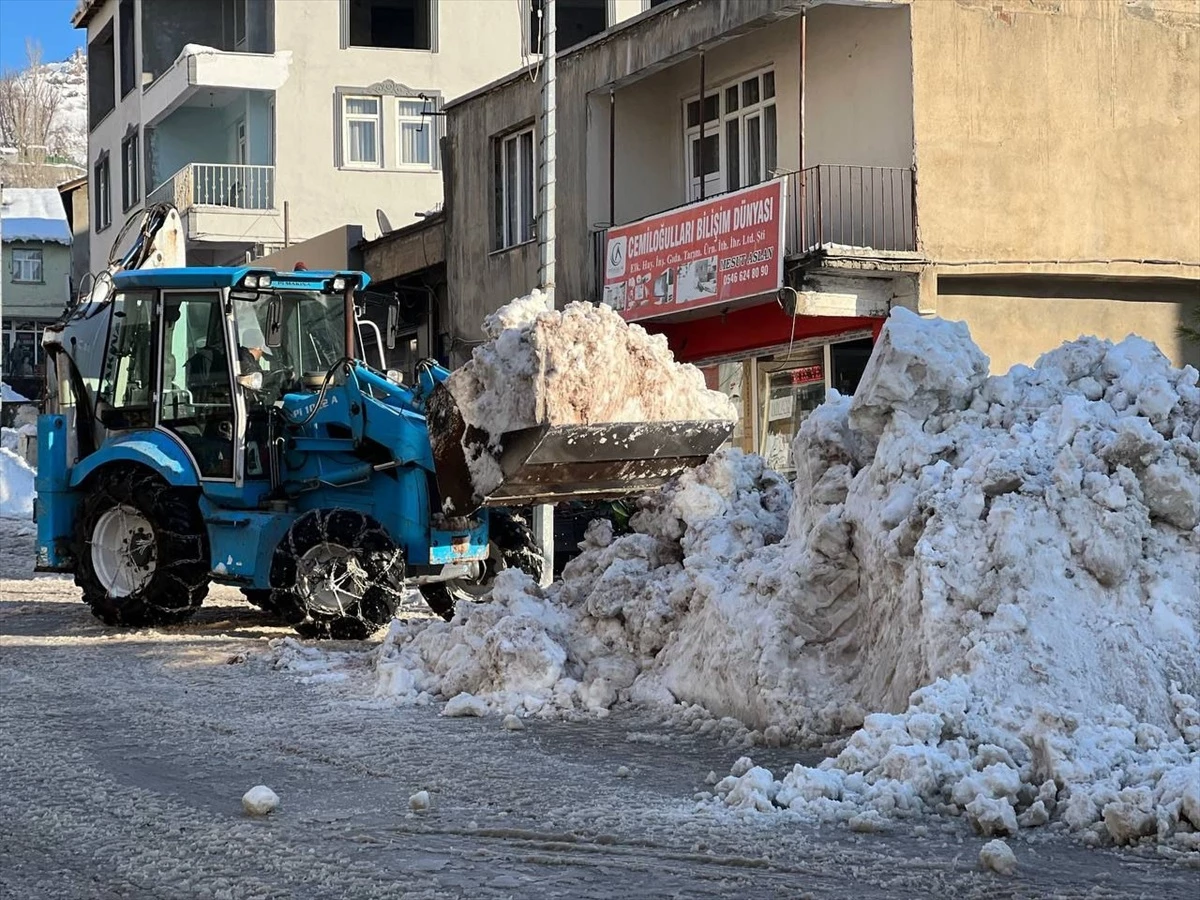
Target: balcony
<point x="851" y="211"/>
<point x="208" y="77"/>
<point x="226" y="203"/>
<point x="830" y="211"/>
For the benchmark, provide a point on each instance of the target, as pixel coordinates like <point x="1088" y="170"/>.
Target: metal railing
<point x="218" y="185"/>
<point x="866" y="207"/>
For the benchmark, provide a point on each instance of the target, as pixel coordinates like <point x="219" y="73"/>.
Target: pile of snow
<point x="16" y="486"/>
<point x="8" y="395"/>
<point x="577" y="366"/>
<point x="992" y="584"/>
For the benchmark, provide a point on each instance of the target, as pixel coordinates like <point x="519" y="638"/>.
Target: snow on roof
<point x="33" y="214"/>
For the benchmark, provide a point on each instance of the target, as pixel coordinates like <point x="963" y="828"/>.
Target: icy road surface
<point x="124" y="757"/>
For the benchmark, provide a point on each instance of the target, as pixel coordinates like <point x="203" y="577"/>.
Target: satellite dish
<point x="384" y="225"/>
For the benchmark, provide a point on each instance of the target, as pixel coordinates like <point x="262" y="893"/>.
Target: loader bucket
<point x="553" y="463"/>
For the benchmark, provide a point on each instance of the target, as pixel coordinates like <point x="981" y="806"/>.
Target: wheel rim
<point x="330" y="578"/>
<point x="475" y="589"/>
<point x="124" y="552"/>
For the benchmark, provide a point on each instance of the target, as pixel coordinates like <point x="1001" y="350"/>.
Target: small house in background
<point x="37" y="280"/>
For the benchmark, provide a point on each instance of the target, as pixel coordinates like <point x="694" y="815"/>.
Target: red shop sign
<point x="713" y="252"/>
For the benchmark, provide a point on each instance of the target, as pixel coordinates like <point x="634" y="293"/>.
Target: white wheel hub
<point x="124" y="552"/>
<point x="330" y="578"/>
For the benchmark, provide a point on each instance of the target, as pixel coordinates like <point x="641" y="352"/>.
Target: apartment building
<point x="268" y="122"/>
<point x="762" y="180"/>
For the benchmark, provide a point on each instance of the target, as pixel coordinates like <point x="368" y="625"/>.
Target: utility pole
<point x="543" y="514"/>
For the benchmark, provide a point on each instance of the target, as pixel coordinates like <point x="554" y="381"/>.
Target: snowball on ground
<point x="998" y="857"/>
<point x="260" y="800"/>
<point x="983" y="592"/>
<point x="420" y="801"/>
<point x="16" y="486"/>
<point x="580" y="365"/>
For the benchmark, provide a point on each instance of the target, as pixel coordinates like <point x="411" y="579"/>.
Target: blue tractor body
<point x="153" y="380"/>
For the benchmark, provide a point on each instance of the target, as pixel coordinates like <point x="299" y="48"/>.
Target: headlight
<point x="339" y="284"/>
<point x="264" y="281"/>
<point x="250" y="281"/>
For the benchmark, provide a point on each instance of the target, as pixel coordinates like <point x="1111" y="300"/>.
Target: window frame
<point x="102" y="193"/>
<point x="504" y="145"/>
<point x="9" y="341"/>
<point x="131" y="183"/>
<point x="719" y="128"/>
<point x="38" y="258"/>
<point x="348" y="117"/>
<point x="426" y="122"/>
<point x="344" y="23"/>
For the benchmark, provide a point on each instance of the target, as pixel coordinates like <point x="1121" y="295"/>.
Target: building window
<point x="362" y="132"/>
<point x="574" y="22"/>
<point x="417" y="145"/>
<point x="395" y="24"/>
<point x="22" y="349"/>
<point x="739" y="147"/>
<point x="128" y="63"/>
<point x="102" y="84"/>
<point x="130" y="189"/>
<point x="27" y="266"/>
<point x="514" y="175"/>
<point x="101" y="196"/>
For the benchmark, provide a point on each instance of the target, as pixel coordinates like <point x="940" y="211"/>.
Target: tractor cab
<point x="203" y="356"/>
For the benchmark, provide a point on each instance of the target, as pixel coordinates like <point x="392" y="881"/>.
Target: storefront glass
<point x="774" y="393"/>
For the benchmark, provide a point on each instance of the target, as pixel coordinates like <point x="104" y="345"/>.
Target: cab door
<point x="196" y="400"/>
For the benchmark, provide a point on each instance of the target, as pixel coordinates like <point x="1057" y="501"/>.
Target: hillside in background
<point x="44" y="121"/>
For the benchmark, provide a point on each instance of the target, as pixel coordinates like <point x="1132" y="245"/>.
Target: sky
<point x="48" y="21"/>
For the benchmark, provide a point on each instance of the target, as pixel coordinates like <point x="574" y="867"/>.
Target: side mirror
<point x="393" y="324"/>
<point x="274" y="333"/>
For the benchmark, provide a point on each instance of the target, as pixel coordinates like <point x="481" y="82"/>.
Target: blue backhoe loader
<point x="219" y="425"/>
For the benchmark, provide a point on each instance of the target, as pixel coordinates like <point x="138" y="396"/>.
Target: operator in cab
<point x="251" y="349"/>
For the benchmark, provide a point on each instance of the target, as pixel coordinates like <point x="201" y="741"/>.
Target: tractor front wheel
<point x="141" y="550"/>
<point x="336" y="574"/>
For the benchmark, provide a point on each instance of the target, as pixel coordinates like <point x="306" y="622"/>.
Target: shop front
<point x="707" y="276"/>
<point x="776" y="368"/>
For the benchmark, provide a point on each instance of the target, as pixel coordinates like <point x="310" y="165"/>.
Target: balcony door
<point x="738" y="144"/>
<point x="704" y="148"/>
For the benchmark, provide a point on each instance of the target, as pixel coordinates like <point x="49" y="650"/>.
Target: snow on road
<point x="126" y="753"/>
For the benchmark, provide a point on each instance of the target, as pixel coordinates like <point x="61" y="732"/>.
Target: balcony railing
<point x="218" y="185"/>
<point x="864" y="207"/>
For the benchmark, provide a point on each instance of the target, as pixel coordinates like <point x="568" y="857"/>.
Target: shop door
<point x="788" y="390"/>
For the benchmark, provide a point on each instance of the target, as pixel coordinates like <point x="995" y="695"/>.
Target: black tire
<point x="262" y="598"/>
<point x="177" y="545"/>
<point x="377" y="576"/>
<point x="513" y="547"/>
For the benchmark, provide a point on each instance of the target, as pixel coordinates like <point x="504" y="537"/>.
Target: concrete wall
<point x="190" y="134"/>
<point x="478" y="278"/>
<point x="1057" y="130"/>
<point x="334" y="249"/>
<point x="1012" y="321"/>
<point x="45" y="300"/>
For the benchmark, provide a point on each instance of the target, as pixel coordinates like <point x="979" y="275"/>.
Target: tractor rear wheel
<point x="141" y="550"/>
<point x="512" y="546"/>
<point x="336" y="574"/>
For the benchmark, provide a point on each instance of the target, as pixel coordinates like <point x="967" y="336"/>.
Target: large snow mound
<point x="984" y="597"/>
<point x="580" y="365"/>
<point x="16" y="486"/>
